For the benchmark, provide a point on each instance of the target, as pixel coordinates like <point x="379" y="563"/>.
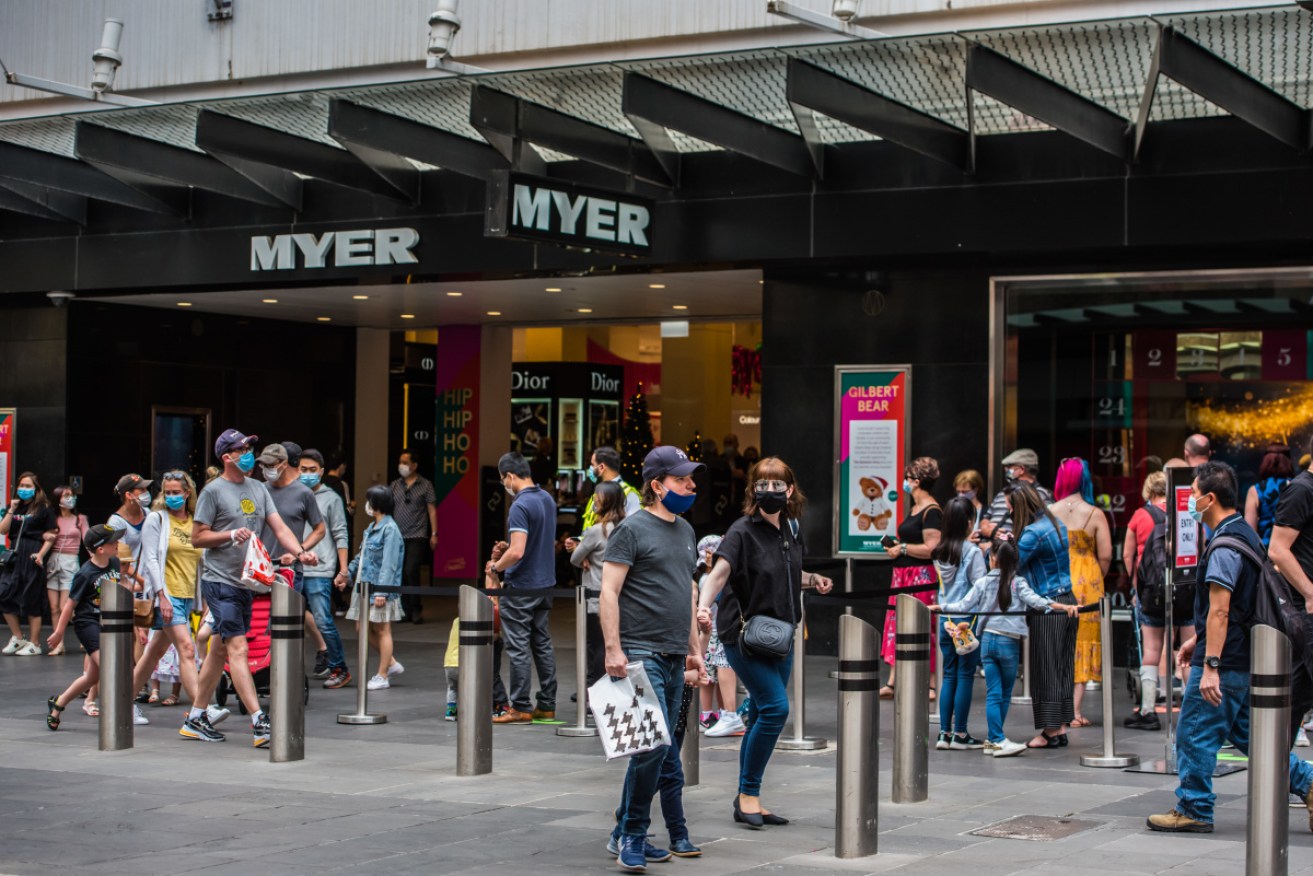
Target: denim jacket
<point x="1045" y="557"/>
<point x="379" y="558"/>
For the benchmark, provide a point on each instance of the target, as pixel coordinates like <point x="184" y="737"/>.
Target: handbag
<point x="11" y="556"/>
<point x="769" y="636"/>
<point x="628" y="714"/>
<point x="143" y="612"/>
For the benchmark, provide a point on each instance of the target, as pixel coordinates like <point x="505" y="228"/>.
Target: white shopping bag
<point x="257" y="569"/>
<point x="628" y="714"/>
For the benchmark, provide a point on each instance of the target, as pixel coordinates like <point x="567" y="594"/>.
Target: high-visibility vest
<point x="590" y="515"/>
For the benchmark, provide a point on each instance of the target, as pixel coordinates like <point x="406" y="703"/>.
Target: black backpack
<point x="1274" y="602"/>
<point x="1151" y="575"/>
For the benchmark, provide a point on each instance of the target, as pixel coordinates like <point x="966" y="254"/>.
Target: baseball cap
<point x="100" y="534"/>
<point x="666" y="460"/>
<point x="232" y="438"/>
<point x="131" y="482"/>
<point x="294" y="451"/>
<point x="272" y="455"/>
<point x="1022" y="456"/>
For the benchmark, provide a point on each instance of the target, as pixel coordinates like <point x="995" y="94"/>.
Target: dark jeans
<point x="528" y="644"/>
<point x="318" y="599"/>
<point x="417" y="549"/>
<point x="499" y="697"/>
<point x="959" y="682"/>
<point x="670" y="785"/>
<point x="666" y="675"/>
<point x="1301" y="683"/>
<point x="596" y="666"/>
<point x="767" y="681"/>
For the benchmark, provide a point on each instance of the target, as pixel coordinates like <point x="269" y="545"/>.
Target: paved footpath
<point x="386" y="799"/>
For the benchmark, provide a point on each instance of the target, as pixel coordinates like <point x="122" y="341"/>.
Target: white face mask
<point x="405" y="470"/>
<point x="369" y="509"/>
<point x="271" y="474"/>
<point x="144" y="500"/>
<point x="69" y="502"/>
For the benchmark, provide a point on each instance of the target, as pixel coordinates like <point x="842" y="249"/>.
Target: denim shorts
<point x="1159" y="622"/>
<point x="181" y="613"/>
<point x="230" y="606"/>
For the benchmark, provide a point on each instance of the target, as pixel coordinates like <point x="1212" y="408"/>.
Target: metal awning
<point x="1106" y="83"/>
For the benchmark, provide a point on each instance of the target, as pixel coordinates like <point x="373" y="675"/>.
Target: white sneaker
<point x="991" y="747"/>
<point x="1301" y="739"/>
<point x="1008" y="748"/>
<point x="730" y="724"/>
<point x="137" y="717"/>
<point x="395" y="669"/>
<point x="29" y="649"/>
<point x="15" y="642"/>
<point x="378" y="682"/>
<point x="217" y="715"/>
<point x="1309" y="725"/>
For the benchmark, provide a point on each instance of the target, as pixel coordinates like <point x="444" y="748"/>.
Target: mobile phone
<point x="888" y="541"/>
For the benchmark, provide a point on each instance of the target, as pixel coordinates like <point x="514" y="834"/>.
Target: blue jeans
<point x="767" y="681"/>
<point x="959" y="680"/>
<point x="1000" y="654"/>
<point x="1203" y="728"/>
<point x="319" y="599"/>
<point x="671" y="788"/>
<point x="666" y="675"/>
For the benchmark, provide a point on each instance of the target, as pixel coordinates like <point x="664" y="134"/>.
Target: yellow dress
<point x="1087" y="586"/>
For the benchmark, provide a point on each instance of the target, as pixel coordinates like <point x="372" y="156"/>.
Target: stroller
<point x="259" y="645"/>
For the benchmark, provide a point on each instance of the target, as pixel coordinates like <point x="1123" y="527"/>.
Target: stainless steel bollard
<point x="936" y="625"/>
<point x="799" y="741"/>
<point x="1024" y="699"/>
<point x="1109" y="757"/>
<point x="856" y="815"/>
<point x="116" y="691"/>
<point x="690" y="754"/>
<point x="287" y="675"/>
<point x="847" y="591"/>
<point x="911" y="700"/>
<point x="1267" y="835"/>
<point x="362" y="715"/>
<point x="580" y="727"/>
<point x="474" y="685"/>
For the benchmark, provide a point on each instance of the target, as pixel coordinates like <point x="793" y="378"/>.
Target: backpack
<point x="1151" y="575"/>
<point x="1274" y="603"/>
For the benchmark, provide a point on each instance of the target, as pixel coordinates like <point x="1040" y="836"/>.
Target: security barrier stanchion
<point x="847" y="591"/>
<point x="287" y="675"/>
<point x="580" y="727"/>
<point x="856" y="815"/>
<point x="1267" y="833"/>
<point x="364" y="601"/>
<point x="799" y="741"/>
<point x="115" y="668"/>
<point x="474" y="685"/>
<point x="1109" y="757"/>
<point x="1024" y="699"/>
<point x="911" y="700"/>
<point x="690" y="755"/>
<point x="935" y="622"/>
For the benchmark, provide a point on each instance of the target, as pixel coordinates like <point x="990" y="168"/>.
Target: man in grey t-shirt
<point x="230" y="510"/>
<point x="646" y="610"/>
<point x="293" y="500"/>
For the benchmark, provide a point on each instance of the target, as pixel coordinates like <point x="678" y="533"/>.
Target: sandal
<point x="52" y="720"/>
<point x="91" y="709"/>
<point x="887" y="692"/>
<point x="1080" y="721"/>
<point x="170" y="700"/>
<point x="154" y="698"/>
<point x="932" y="694"/>
<point x="1056" y="741"/>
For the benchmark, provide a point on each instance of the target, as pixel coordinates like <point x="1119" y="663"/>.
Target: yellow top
<point x="452" y="658"/>
<point x="180" y="563"/>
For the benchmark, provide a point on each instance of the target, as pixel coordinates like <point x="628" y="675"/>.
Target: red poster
<point x="456" y="477"/>
<point x="1155" y="355"/>
<point x="1285" y="354"/>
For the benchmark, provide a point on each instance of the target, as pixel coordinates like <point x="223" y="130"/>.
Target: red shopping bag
<point x="258" y="569"/>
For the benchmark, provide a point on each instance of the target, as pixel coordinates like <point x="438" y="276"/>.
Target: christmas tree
<point x="694" y="447"/>
<point x="636" y="437"/>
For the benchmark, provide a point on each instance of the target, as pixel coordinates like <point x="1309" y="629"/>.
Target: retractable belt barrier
<point x="513" y="592"/>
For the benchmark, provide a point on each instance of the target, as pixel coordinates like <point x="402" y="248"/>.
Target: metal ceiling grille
<point x="1275" y="46"/>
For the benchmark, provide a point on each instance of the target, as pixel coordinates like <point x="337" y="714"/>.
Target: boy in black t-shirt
<point x="83" y="608"/>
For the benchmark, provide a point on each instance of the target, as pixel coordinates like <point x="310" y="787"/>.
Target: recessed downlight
<point x="455" y="294"/>
<point x="585" y="310"/>
<point x="679" y="307"/>
<point x="494" y="313"/>
<point x="552" y="289"/>
<point x="324" y="318"/>
<point x="407" y="316"/>
<point x="360" y="297"/>
<point x="184" y="304"/>
<point x="656" y="285"/>
<point x="268" y="300"/>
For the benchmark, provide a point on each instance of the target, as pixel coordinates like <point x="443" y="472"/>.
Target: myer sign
<point x="552" y="211"/>
<point x="338" y="249"/>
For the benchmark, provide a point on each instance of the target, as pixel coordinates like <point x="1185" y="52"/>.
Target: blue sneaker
<point x="631" y="858"/>
<point x="682" y="848"/>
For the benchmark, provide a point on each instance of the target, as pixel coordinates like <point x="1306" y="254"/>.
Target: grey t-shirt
<point x="296" y="504"/>
<point x="224" y="505"/>
<point x="656" y="602"/>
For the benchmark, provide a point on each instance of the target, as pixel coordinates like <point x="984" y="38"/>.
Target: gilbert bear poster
<point x="872" y="427"/>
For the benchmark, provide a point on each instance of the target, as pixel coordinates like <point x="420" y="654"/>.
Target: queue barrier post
<point x="474" y="685"/>
<point x="911" y="700"/>
<point x="116" y="692"/>
<point x="690" y="752"/>
<point x="1109" y="758"/>
<point x="1267" y="834"/>
<point x="287" y="683"/>
<point x="1024" y="699"/>
<point x="580" y="728"/>
<point x="362" y="715"/>
<point x="935" y="623"/>
<point x="856" y="816"/>
<point x="847" y="591"/>
<point x="800" y="741"/>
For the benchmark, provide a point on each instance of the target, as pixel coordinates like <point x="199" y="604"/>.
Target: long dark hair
<point x="959" y="518"/>
<point x="1006" y="559"/>
<point x="38" y="500"/>
<point x="1026" y="506"/>
<point x="609" y="503"/>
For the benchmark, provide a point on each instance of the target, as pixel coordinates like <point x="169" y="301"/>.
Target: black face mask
<point x="772" y="501"/>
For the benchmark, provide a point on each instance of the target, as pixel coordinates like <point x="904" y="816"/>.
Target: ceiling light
<point x="585" y="310"/>
<point x="656" y="285"/>
<point x="269" y="300"/>
<point x="184" y="304"/>
<point x="407" y="316"/>
<point x="455" y="294"/>
<point x="324" y="318"/>
<point x="494" y="313"/>
<point x="553" y="289"/>
<point x="680" y="306"/>
<point x="360" y="297"/>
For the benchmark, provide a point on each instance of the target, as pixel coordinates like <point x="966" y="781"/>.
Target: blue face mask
<point x="907" y="487"/>
<point x="175" y="503"/>
<point x="677" y="504"/>
<point x="310" y="480"/>
<point x="246" y="461"/>
<point x="26" y="493"/>
<point x="591" y="474"/>
<point x="1194" y="512"/>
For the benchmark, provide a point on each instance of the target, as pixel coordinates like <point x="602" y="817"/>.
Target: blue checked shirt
<point x="1045" y="560"/>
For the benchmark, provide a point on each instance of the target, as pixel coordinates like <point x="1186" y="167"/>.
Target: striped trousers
<point x="1052" y="664"/>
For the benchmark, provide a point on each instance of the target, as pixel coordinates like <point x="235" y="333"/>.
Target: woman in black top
<point x="23" y="582"/>
<point x="760" y="558"/>
<point x="918" y="536"/>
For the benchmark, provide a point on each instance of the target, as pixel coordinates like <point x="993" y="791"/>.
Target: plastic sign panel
<point x="1182" y="531"/>
<point x="872" y="403"/>
<point x="456" y="476"/>
<point x="7" y="418"/>
<point x="562" y="213"/>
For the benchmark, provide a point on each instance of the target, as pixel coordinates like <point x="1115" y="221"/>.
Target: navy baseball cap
<point x="232" y="438"/>
<point x="666" y="460"/>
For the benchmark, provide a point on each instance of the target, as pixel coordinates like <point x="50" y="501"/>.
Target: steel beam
<point x="648" y="102"/>
<point x="495" y="115"/>
<point x="810" y="87"/>
<point x="39" y="168"/>
<point x="44" y="202"/>
<point x="1220" y="82"/>
<point x="1021" y="88"/>
<point x="227" y="137"/>
<point x="368" y="131"/>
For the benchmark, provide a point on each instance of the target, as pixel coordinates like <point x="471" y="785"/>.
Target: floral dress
<point x="1087" y="587"/>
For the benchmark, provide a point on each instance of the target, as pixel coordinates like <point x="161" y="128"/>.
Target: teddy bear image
<point x="873" y="511"/>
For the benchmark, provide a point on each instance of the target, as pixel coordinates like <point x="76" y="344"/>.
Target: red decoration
<point x="745" y="370"/>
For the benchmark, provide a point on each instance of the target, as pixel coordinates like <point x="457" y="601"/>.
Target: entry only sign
<point x="552" y="211"/>
<point x="1183" y="536"/>
<point x="872" y="404"/>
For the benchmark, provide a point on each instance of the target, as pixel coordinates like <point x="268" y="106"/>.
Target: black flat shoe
<point x="1049" y="741"/>
<point x="1061" y="739"/>
<point x="753" y="820"/>
<point x="773" y="819"/>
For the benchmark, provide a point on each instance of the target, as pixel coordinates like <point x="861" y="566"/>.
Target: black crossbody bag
<point x="767" y="636"/>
